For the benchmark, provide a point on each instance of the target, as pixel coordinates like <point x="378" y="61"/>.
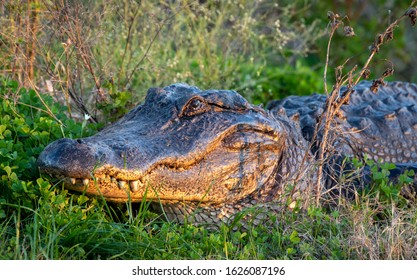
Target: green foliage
<point x="261" y="84"/>
<point x="198" y="43"/>
<point x="119" y="104"/>
<point x="25" y="129"/>
<point x="385" y="189"/>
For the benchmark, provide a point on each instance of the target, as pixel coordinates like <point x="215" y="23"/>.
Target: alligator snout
<point x="69" y="158"/>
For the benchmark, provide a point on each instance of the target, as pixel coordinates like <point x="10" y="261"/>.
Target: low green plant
<point x="33" y="211"/>
<point x="384" y="187"/>
<point x="26" y="127"/>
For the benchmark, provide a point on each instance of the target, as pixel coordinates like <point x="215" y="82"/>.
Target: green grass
<point x="69" y="226"/>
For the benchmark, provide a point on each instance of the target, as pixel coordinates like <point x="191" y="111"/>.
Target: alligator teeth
<point x="86" y="181"/>
<point x="134" y="186"/>
<point x="121" y="184"/>
<point x="73" y="181"/>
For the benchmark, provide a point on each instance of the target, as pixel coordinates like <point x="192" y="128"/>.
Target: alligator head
<point x="182" y="148"/>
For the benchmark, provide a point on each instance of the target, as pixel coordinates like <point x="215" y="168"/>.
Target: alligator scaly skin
<point x="382" y="125"/>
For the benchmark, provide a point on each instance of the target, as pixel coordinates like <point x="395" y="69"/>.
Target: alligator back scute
<point x="382" y="125"/>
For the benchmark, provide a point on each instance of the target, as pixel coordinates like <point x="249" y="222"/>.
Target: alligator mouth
<point x="112" y="189"/>
<point x="140" y="189"/>
<point x="106" y="182"/>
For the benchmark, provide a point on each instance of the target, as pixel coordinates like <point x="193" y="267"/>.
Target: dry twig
<point x="336" y="99"/>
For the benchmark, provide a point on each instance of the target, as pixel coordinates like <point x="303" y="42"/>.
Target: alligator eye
<point x="194" y="107"/>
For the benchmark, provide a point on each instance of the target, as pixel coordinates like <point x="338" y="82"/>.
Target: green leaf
<point x="2" y="214"/>
<point x="386" y="189"/>
<point x="8" y="170"/>
<point x="378" y="176"/>
<point x="2" y="128"/>
<point x="82" y="199"/>
<point x="290" y="251"/>
<point x="294" y="237"/>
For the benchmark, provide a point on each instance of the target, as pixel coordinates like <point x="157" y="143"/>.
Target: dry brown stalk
<point x="351" y="79"/>
<point x="31" y="32"/>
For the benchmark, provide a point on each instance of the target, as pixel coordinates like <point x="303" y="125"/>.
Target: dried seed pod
<point x="366" y="73"/>
<point x="388" y="72"/>
<point x="374" y="48"/>
<point x="339" y="73"/>
<point x="412" y="11"/>
<point x="334" y="19"/>
<point x="374" y="87"/>
<point x="376" y="84"/>
<point x="389" y="35"/>
<point x="412" y="14"/>
<point x="346" y="95"/>
<point x="332" y="16"/>
<point x="349" y="32"/>
<point x="379" y="39"/>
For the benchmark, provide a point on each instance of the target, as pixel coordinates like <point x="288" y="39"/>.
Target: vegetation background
<point x="67" y="68"/>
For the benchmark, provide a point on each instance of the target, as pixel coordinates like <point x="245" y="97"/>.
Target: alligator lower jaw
<point x="113" y="184"/>
<point x="120" y="191"/>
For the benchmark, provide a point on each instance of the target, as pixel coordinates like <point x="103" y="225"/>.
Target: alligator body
<point x="212" y="154"/>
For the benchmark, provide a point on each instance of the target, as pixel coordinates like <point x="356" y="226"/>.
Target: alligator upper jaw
<point x="66" y="156"/>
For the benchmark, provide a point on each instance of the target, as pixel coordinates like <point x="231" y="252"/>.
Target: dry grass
<point x="393" y="238"/>
<point x="327" y="124"/>
<point x="97" y="57"/>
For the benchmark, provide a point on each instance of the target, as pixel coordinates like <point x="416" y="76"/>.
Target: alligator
<point x="210" y="154"/>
